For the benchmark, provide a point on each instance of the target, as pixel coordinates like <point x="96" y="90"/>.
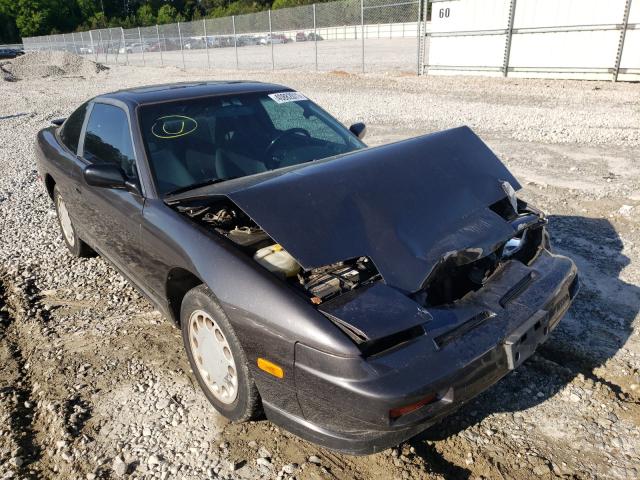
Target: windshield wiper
<point x="193" y="186"/>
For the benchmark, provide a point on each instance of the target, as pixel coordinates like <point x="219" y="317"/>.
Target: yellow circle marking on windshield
<point x="183" y="126"/>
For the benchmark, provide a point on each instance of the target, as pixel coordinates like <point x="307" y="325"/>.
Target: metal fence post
<point x="106" y="52"/>
<point x="315" y="35"/>
<point x="623" y="35"/>
<point x="144" y="62"/>
<point x="362" y="30"/>
<point x="184" y="66"/>
<point x="100" y="43"/>
<point x="420" y="38"/>
<point x="159" y="44"/>
<point x="124" y="46"/>
<point x="93" y="45"/>
<point x="235" y="38"/>
<point x="425" y="39"/>
<point x="73" y="40"/>
<point x="273" y="63"/>
<point x="49" y="41"/>
<point x="507" y="46"/>
<point x="206" y="42"/>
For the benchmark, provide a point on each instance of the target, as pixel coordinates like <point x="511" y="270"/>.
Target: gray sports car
<point x="354" y="295"/>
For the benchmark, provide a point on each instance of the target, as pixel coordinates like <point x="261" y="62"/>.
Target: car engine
<point x="318" y="284"/>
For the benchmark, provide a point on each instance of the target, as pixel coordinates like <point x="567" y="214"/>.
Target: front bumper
<point x="346" y="401"/>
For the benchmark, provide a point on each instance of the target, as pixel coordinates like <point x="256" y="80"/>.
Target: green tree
<point x="192" y="8"/>
<point x="168" y="14"/>
<point x="88" y="8"/>
<point x="98" y="20"/>
<point x="32" y="17"/>
<point x="145" y="16"/>
<point x="39" y="17"/>
<point x="290" y="3"/>
<point x="8" y="29"/>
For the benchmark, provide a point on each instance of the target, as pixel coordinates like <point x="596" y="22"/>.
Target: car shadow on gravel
<point x="596" y="326"/>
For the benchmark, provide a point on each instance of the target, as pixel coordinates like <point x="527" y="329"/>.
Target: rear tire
<point x="74" y="244"/>
<point x="217" y="358"/>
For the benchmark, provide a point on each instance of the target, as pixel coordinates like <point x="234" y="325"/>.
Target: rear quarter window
<point x="70" y="131"/>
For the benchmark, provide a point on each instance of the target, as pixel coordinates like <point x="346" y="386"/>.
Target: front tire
<point x="217" y="358"/>
<point x="74" y="244"/>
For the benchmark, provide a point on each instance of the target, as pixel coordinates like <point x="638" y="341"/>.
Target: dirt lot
<point x="95" y="384"/>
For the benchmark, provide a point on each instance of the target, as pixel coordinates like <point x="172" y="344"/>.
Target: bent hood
<point x="406" y="206"/>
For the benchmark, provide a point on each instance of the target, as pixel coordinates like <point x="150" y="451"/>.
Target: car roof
<point x="185" y="90"/>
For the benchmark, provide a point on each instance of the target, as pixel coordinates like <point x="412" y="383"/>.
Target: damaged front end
<point x="421" y="253"/>
<point x="467" y="270"/>
<point x="380" y="319"/>
<point x="364" y="239"/>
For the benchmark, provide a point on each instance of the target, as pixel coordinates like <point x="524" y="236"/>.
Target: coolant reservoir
<point x="277" y="260"/>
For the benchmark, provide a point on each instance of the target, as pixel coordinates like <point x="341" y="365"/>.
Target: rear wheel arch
<point x="49" y="184"/>
<point x="76" y="246"/>
<point x="179" y="282"/>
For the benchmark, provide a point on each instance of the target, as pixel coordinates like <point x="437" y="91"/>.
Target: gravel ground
<point x="94" y="383"/>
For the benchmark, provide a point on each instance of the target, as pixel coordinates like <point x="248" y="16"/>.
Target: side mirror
<point x="358" y="129"/>
<point x="106" y="175"/>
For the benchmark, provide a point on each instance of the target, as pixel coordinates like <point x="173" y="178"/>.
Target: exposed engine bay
<point x="319" y="284"/>
<point x="454" y="277"/>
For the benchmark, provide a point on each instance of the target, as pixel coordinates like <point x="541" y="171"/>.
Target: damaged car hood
<point x="407" y="206"/>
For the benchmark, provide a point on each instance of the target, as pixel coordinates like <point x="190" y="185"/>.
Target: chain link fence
<point x="348" y="35"/>
<point x="490" y="37"/>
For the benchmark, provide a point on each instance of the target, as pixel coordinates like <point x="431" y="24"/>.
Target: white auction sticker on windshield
<point x="284" y="97"/>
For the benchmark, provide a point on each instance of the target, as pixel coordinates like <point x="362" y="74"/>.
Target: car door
<point x="112" y="216"/>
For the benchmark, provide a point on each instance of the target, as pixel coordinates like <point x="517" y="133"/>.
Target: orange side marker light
<point x="270" y="367"/>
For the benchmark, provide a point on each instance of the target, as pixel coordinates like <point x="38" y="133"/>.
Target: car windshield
<point x="191" y="143"/>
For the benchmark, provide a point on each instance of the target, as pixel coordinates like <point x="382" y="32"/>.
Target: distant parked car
<point x="301" y="37"/>
<point x="274" y="38"/>
<point x="246" y="40"/>
<point x="133" y="48"/>
<point x="220" y="42"/>
<point x="85" y="50"/>
<point x="314" y="37"/>
<point x="172" y="44"/>
<point x="10" y="52"/>
<point x="194" y="44"/>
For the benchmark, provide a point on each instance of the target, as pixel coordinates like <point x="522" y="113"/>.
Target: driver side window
<point x="108" y="138"/>
<point x="292" y="115"/>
